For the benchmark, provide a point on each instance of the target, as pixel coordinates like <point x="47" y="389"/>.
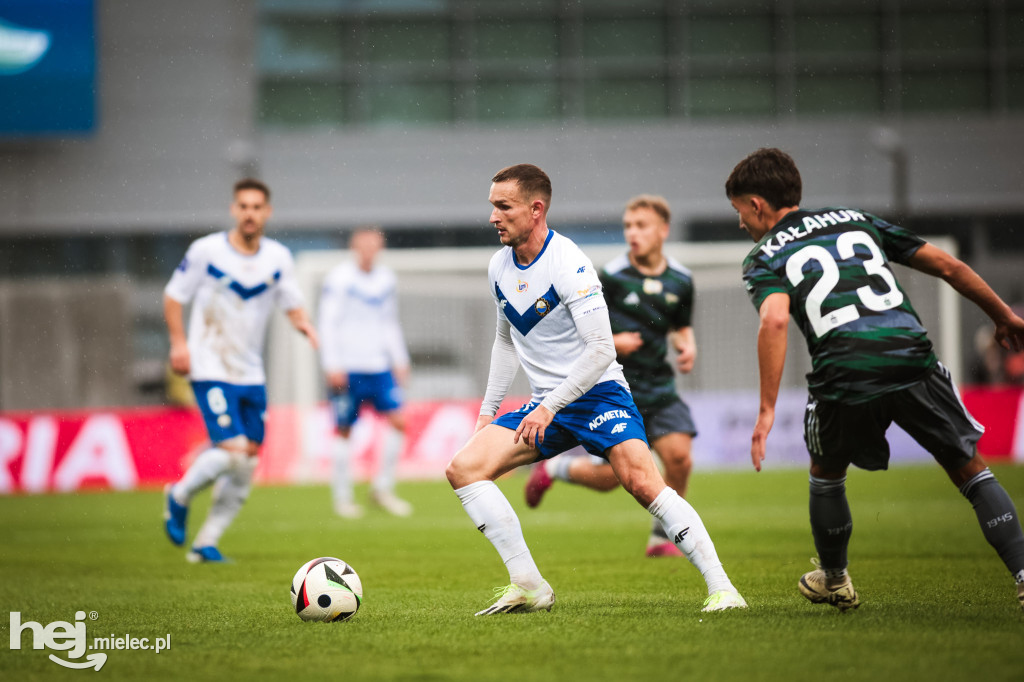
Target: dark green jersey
<point x="653" y="306"/>
<point x="862" y="332"/>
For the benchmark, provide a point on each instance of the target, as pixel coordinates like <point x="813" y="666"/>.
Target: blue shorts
<point x="379" y="389"/>
<point x="601" y="418"/>
<point x="231" y="410"/>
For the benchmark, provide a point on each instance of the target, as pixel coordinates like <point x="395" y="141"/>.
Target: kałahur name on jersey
<point x="811" y="223"/>
<point x="610" y="414"/>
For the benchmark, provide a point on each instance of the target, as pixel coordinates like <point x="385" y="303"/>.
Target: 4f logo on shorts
<point x="619" y="428"/>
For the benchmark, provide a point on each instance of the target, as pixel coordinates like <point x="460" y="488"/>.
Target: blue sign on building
<point x="47" y="67"/>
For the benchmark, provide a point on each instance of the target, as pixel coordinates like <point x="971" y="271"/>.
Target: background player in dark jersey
<point x="650" y="303"/>
<point x="872" y="363"/>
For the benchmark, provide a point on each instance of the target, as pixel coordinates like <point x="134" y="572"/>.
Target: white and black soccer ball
<point x="326" y="590"/>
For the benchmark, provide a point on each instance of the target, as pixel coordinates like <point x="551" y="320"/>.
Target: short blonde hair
<point x="656" y="203"/>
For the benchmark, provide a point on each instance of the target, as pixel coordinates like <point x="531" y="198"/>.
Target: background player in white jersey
<point x="552" y="319"/>
<point x="234" y="280"/>
<point x="650" y="303"/>
<point x="365" y="360"/>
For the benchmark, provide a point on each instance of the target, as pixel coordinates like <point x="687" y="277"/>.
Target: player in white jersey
<point x="552" y="318"/>
<point x="234" y="280"/>
<point x="365" y="360"/>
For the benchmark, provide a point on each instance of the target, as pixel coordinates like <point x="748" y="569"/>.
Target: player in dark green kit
<point x="650" y="303"/>
<point x="872" y="362"/>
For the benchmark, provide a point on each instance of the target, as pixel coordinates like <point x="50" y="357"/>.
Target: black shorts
<point x="839" y="434"/>
<point x="672" y="418"/>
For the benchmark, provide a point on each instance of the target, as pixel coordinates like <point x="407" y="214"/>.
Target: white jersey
<point x="232" y="296"/>
<point x="358" y="321"/>
<point x="535" y="299"/>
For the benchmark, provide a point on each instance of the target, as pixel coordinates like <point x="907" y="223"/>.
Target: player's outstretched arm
<point x="771" y="359"/>
<point x="934" y="261"/>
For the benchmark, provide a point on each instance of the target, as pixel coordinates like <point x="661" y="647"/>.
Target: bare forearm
<point x="174" y="318"/>
<point x="771" y="358"/>
<point x="771" y="347"/>
<point x="179" y="356"/>
<point x="969" y="284"/>
<point x="300" y="320"/>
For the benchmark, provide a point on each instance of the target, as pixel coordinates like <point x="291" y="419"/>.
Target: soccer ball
<point x="326" y="590"/>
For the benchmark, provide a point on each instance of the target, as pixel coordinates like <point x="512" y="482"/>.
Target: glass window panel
<point x="300" y="46"/>
<point x="1015" y="29"/>
<point x="503" y="100"/>
<point x="838" y="94"/>
<point x="295" y="103"/>
<point x="519" y="7"/>
<point x="732" y="95"/>
<point x="625" y="98"/>
<point x="420" y="42"/>
<point x="516" y="39"/>
<point x="617" y="5"/>
<point x="731" y="35"/>
<point x="732" y="7"/>
<point x="1015" y="89"/>
<point x="960" y="91"/>
<point x="844" y="33"/>
<point x="946" y="31"/>
<point x="623" y="38"/>
<point x="409" y="102"/>
<point x="835" y="6"/>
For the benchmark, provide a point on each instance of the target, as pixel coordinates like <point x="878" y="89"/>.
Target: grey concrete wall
<point x="177" y="95"/>
<point x="433" y="178"/>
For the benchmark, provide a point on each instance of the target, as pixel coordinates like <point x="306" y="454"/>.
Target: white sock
<point x="341" y="472"/>
<point x="394" y="441"/>
<point x="495" y="518"/>
<point x="683" y="526"/>
<point x="229" y="494"/>
<point x="558" y="466"/>
<point x="205" y="469"/>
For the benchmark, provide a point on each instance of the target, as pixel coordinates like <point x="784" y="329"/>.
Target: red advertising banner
<point x="146" y="447"/>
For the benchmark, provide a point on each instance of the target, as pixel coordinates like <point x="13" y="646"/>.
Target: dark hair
<point x="532" y="181"/>
<point x="252" y="183"/>
<point x="654" y="202"/>
<point x="770" y="174"/>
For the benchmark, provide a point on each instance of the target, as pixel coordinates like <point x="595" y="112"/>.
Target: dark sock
<point x="831" y="522"/>
<point x="998" y="519"/>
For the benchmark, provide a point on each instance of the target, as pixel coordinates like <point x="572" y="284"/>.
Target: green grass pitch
<point x="937" y="602"/>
